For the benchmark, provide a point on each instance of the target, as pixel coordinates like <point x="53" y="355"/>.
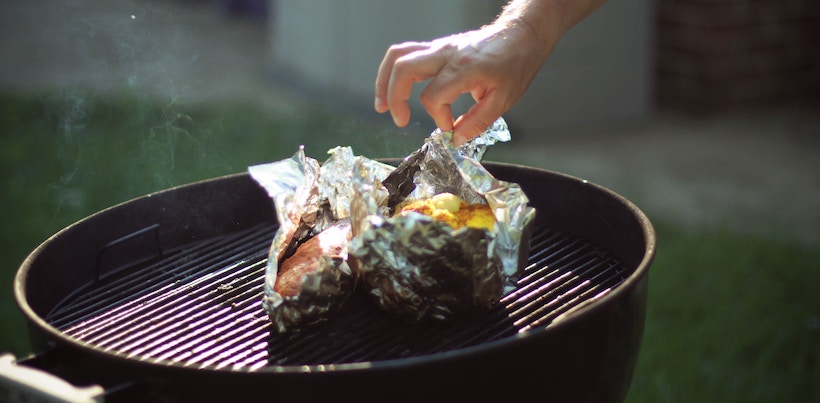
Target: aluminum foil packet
<point x="422" y="268"/>
<point x="409" y="264"/>
<point x="310" y="199"/>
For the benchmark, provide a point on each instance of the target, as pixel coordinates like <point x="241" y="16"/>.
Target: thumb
<point x="476" y="120"/>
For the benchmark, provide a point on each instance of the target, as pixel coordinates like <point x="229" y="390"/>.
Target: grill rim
<point x="56" y="337"/>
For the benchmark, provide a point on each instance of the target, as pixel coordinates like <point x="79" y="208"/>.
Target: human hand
<point x="495" y="64"/>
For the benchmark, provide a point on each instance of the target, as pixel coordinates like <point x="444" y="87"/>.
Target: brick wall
<point x="719" y="55"/>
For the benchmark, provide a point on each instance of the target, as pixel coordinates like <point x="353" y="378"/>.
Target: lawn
<point x="66" y="155"/>
<point x="731" y="317"/>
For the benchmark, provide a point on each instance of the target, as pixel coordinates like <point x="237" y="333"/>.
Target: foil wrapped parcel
<point x="422" y="268"/>
<point x="308" y="199"/>
<point x="409" y="264"/>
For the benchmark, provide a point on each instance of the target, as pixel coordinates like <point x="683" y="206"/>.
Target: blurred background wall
<point x="626" y="61"/>
<point x="723" y="55"/>
<point x="601" y="70"/>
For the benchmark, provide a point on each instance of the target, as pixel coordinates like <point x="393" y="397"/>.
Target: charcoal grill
<point x="159" y="297"/>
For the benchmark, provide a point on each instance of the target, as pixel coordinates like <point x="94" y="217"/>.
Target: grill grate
<point x="199" y="306"/>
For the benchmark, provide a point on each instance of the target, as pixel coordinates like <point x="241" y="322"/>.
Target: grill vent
<point x="200" y="306"/>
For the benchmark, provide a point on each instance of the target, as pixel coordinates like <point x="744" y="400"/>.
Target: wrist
<point x="526" y="37"/>
<point x="534" y="19"/>
<point x="547" y="20"/>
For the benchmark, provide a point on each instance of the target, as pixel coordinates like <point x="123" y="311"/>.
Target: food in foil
<point x="433" y="238"/>
<point x="451" y="210"/>
<point x="420" y="268"/>
<point x="308" y="273"/>
<point x="419" y="264"/>
<point x="326" y="249"/>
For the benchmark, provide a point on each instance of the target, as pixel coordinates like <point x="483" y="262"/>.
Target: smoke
<point x="161" y="143"/>
<point x="106" y="56"/>
<point x="124" y="76"/>
<point x="70" y="112"/>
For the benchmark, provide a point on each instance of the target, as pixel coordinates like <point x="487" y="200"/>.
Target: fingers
<point x="412" y="62"/>
<point x="440" y="94"/>
<point x="403" y="66"/>
<point x="442" y="114"/>
<point x="478" y="118"/>
<point x="386" y="70"/>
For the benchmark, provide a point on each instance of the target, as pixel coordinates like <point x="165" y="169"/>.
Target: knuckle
<point x="402" y="48"/>
<point x="428" y="99"/>
<point x="465" y="60"/>
<point x="404" y="65"/>
<point x="477" y="125"/>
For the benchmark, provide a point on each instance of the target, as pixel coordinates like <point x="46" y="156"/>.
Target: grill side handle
<point x="20" y="383"/>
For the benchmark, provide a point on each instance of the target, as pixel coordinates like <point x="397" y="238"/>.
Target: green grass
<point x="731" y="318"/>
<point x="66" y="155"/>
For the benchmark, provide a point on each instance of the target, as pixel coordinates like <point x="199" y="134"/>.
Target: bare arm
<point x="495" y="64"/>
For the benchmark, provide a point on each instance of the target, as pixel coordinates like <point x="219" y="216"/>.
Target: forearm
<point x="495" y="64"/>
<point x="547" y="19"/>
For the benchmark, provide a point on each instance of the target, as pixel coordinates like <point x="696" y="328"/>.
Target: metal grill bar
<point x="200" y="307"/>
<point x="153" y="280"/>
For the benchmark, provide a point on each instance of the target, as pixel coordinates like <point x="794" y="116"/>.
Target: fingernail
<point x="457" y="139"/>
<point x="379" y="104"/>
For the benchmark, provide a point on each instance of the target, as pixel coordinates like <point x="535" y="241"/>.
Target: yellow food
<point x="452" y="210"/>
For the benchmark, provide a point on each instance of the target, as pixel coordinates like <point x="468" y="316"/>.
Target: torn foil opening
<point x="409" y="264"/>
<point x="310" y="201"/>
<point x="422" y="268"/>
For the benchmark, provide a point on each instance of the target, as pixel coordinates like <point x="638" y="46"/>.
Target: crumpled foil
<point x="309" y="198"/>
<point x="409" y="264"/>
<point x="422" y="268"/>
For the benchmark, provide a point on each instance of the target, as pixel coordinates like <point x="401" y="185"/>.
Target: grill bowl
<point x="586" y="352"/>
